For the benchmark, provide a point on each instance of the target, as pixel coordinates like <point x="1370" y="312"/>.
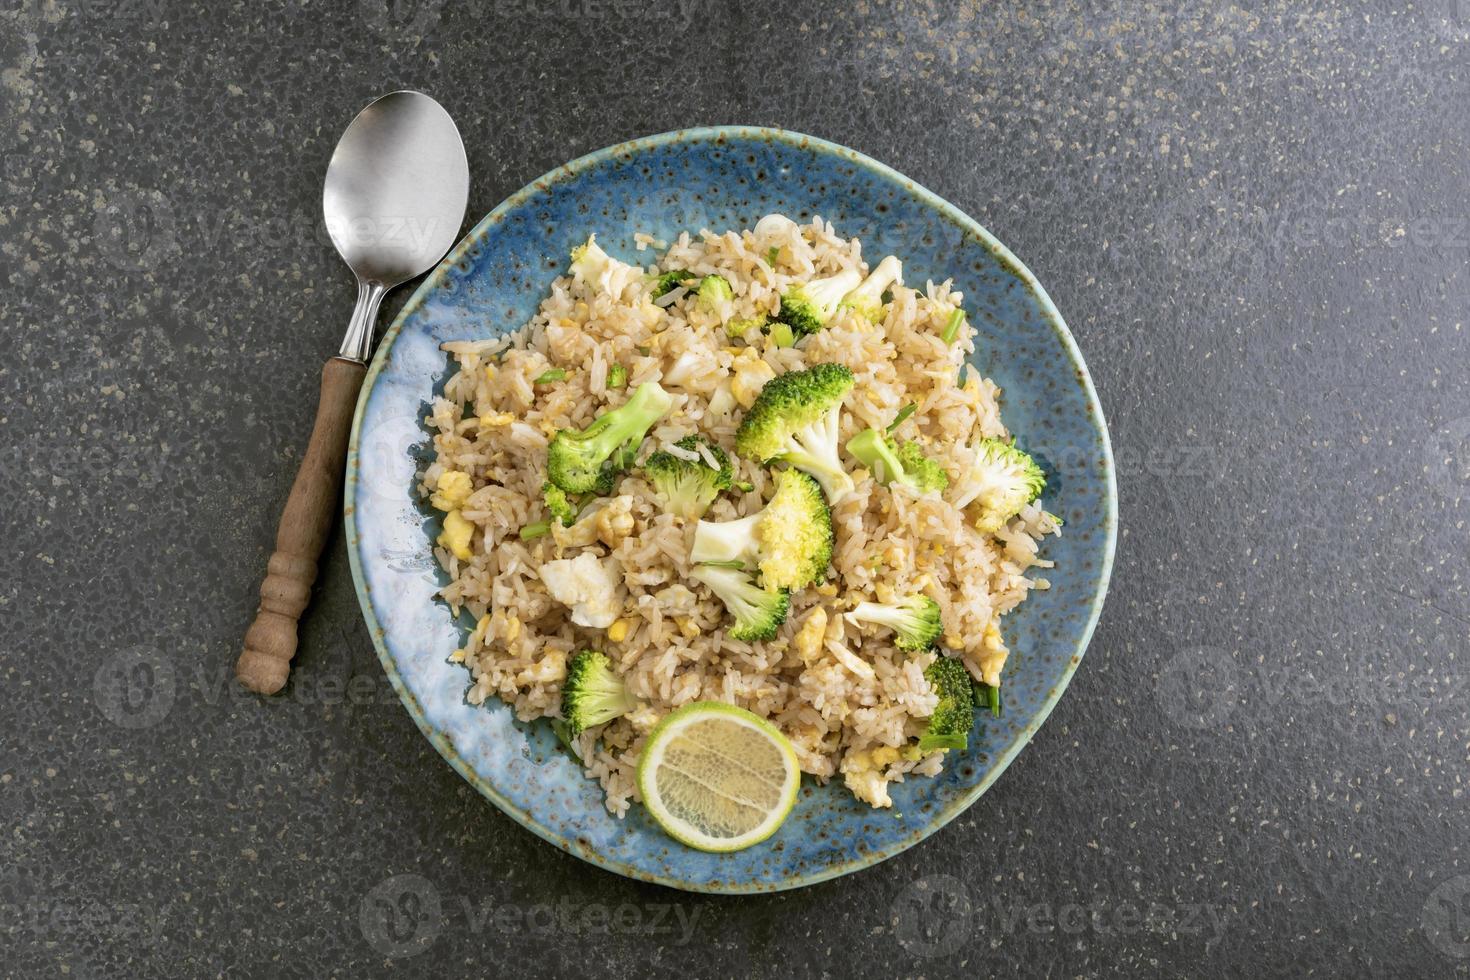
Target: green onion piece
<point x="772" y="254"/>
<point x="781" y="335"/>
<point x="744" y="486"/>
<point x="555" y="374"/>
<point x="723" y="564"/>
<point x="643" y="350"/>
<point x="952" y="328"/>
<point x="903" y="414"/>
<point x="617" y="376"/>
<point x="533" y="531"/>
<point x="989" y="697"/>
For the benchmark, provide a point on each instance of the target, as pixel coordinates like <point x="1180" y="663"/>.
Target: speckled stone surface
<point x="1256" y="223"/>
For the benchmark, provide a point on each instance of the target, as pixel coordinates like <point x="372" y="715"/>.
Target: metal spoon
<point x="395" y="200"/>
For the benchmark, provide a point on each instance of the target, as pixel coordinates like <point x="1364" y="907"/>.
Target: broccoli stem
<point x="989" y="695"/>
<point x="874" y="451"/>
<point x="814" y="449"/>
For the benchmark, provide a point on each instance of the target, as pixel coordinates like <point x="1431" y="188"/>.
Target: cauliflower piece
<point x="591" y="587"/>
<point x="722" y="402"/>
<point x="456" y="536"/>
<point x="600" y="271"/>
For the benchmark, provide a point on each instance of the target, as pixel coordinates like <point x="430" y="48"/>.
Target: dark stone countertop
<point x="1257" y="225"/>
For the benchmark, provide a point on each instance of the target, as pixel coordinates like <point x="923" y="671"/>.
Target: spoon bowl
<point x="394" y="200"/>
<point x="396" y="188"/>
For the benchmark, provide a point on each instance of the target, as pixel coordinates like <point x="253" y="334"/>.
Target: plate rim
<point x="950" y="212"/>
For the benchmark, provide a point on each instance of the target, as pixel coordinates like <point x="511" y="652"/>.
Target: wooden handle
<point x="307" y="519"/>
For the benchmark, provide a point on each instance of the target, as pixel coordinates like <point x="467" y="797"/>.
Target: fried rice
<point x="849" y="701"/>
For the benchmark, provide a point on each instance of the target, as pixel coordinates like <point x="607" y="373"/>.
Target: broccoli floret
<point x="758" y="612"/>
<point x="562" y="507"/>
<point x="808" y="308"/>
<point x="592" y="694"/>
<point x="790" y="540"/>
<point x="715" y="296"/>
<point x="594" y="267"/>
<point x="914" y="620"/>
<point x="949" y="726"/>
<point x="1002" y="480"/>
<point x="867" y="299"/>
<point x="795" y="420"/>
<point x="739" y="328"/>
<point x="687" y="486"/>
<point x="897" y="462"/>
<point x="589" y="461"/>
<point x="666" y="281"/>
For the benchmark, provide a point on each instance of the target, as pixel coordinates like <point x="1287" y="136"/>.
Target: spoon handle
<point x="306" y="521"/>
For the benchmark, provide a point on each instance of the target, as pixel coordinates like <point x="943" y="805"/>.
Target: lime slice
<point x="717" y="777"/>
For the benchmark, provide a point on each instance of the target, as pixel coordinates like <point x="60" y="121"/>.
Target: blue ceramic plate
<point x="720" y="178"/>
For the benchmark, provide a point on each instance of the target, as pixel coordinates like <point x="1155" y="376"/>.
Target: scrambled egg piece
<point x="591" y="588"/>
<point x="863" y="772"/>
<point x="869" y="786"/>
<point x="457" y="535"/>
<point x="579" y="535"/>
<point x="884" y="756"/>
<point x="751" y="375"/>
<point x="993" y="654"/>
<point x="808" y="639"/>
<point x="452" y="489"/>
<point x="615" y="521"/>
<point x="548" y="670"/>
